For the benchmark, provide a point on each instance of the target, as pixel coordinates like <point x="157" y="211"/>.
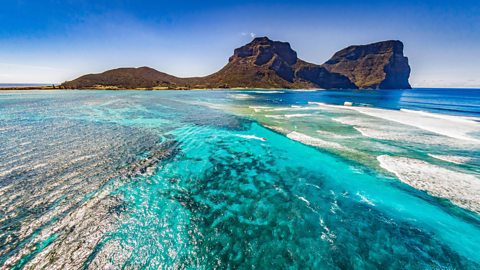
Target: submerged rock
<point x="146" y="166"/>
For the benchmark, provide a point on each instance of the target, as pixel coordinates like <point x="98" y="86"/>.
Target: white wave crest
<point x="274" y="116"/>
<point x="251" y="137"/>
<point x="305" y="90"/>
<point x="334" y="135"/>
<point x="297" y="115"/>
<point x="452" y="159"/>
<point x="460" y="188"/>
<point x="266" y="92"/>
<point x="278" y="129"/>
<point x="445" y="125"/>
<point x="241" y="96"/>
<point x="303" y="138"/>
<point x="364" y="199"/>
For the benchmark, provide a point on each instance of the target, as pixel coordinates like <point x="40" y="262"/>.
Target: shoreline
<point x="114" y="88"/>
<point x="30" y="88"/>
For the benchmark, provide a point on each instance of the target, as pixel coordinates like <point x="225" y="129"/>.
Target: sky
<point x="51" y="41"/>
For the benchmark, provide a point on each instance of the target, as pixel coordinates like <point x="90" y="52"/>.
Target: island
<point x="264" y="63"/>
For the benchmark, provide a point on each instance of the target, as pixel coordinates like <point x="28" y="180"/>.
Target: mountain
<point x="264" y="63"/>
<point x="143" y="77"/>
<point x="380" y="65"/>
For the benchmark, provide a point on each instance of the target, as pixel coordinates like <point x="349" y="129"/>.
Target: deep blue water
<point x="5" y="85"/>
<point x="201" y="180"/>
<point x="462" y="102"/>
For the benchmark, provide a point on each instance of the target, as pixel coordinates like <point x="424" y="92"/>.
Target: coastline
<point x="59" y="87"/>
<point x="145" y="88"/>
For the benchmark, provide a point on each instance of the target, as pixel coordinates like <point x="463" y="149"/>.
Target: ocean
<point x="12" y="85"/>
<point x="240" y="179"/>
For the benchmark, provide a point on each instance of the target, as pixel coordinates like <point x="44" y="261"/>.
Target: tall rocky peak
<point x="380" y="65"/>
<point x="266" y="58"/>
<point x="262" y="50"/>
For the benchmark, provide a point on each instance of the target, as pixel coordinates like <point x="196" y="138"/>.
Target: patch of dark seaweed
<point x="167" y="150"/>
<point x="270" y="226"/>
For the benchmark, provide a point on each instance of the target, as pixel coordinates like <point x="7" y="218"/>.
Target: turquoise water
<point x="204" y="180"/>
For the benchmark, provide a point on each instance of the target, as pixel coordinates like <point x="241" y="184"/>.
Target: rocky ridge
<point x="264" y="63"/>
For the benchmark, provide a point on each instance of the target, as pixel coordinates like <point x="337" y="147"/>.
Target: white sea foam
<point x="364" y="199"/>
<point x="297" y="115"/>
<point x="306" y="90"/>
<point x="452" y="159"/>
<point x="241" y="96"/>
<point x="334" y="204"/>
<point x="334" y="135"/>
<point x="324" y="106"/>
<point x="312" y="185"/>
<point x="295" y="108"/>
<point x="266" y="92"/>
<point x="274" y="116"/>
<point x="334" y="207"/>
<point x="376" y="129"/>
<point x="279" y="109"/>
<point x="460" y="188"/>
<point x="446" y="125"/>
<point x="455" y="118"/>
<point x="307" y="203"/>
<point x="259" y="108"/>
<point x="386" y="135"/>
<point x="303" y="138"/>
<point x="327" y="235"/>
<point x="251" y="137"/>
<point x="278" y="129"/>
<point x="304" y="200"/>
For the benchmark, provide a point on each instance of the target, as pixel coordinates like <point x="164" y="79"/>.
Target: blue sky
<point x="56" y="40"/>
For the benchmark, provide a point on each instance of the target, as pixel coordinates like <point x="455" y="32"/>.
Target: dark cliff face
<point x="380" y="65"/>
<point x="260" y="63"/>
<point x="267" y="63"/>
<point x="264" y="63"/>
<point x="263" y="50"/>
<point x="323" y="78"/>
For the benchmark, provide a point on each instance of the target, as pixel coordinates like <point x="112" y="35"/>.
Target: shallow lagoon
<point x="232" y="179"/>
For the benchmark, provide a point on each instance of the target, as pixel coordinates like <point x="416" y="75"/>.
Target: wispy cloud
<point x="251" y="34"/>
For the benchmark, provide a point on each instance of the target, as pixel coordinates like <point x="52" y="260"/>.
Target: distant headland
<point x="264" y="63"/>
